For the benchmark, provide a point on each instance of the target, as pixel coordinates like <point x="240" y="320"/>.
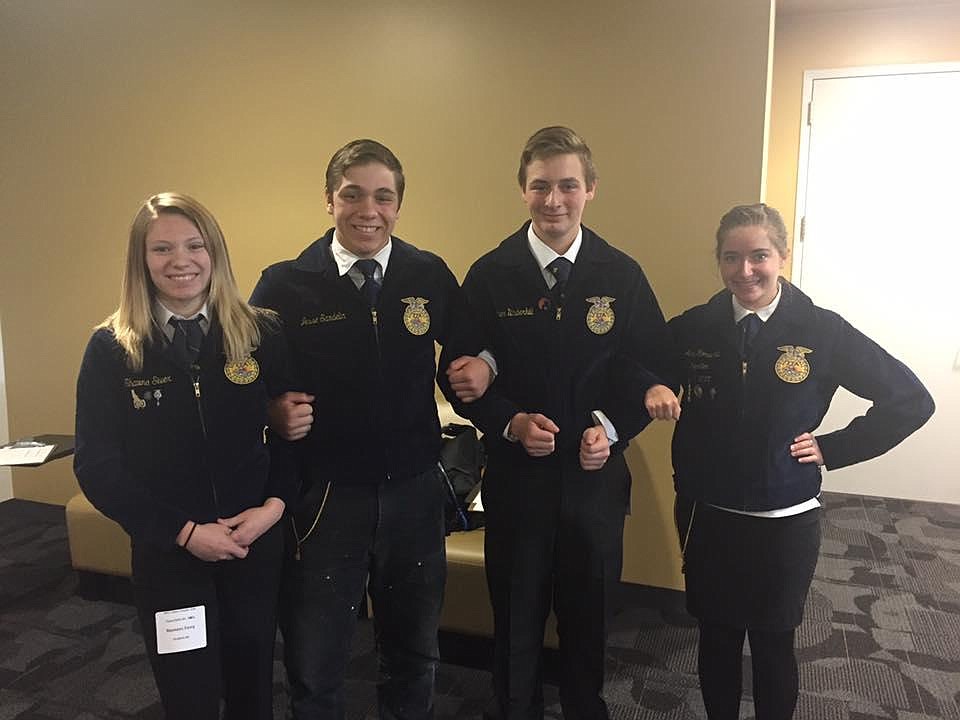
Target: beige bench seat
<point x="99" y="545"/>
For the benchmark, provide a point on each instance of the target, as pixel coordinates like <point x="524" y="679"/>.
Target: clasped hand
<point x="291" y="415"/>
<point x="230" y="538"/>
<point x="662" y="403"/>
<point x="469" y="377"/>
<point x="537" y="433"/>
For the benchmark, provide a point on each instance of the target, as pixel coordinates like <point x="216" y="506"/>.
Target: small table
<point x="63" y="447"/>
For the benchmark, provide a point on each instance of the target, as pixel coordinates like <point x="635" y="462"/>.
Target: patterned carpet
<point x="881" y="637"/>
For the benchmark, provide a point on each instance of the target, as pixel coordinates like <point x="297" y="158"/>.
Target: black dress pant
<point x="776" y="679"/>
<point x="240" y="600"/>
<point x="554" y="538"/>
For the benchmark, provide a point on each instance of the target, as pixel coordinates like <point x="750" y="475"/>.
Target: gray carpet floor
<point x="881" y="636"/>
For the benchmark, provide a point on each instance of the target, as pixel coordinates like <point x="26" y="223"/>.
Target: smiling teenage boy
<point x="580" y="344"/>
<point x="362" y="311"/>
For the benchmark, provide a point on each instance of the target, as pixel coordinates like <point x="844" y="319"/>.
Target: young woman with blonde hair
<point x="171" y="411"/>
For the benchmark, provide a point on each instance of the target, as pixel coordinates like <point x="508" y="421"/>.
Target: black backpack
<point x="462" y="459"/>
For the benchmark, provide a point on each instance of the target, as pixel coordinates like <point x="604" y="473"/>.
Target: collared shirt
<point x="162" y="315"/>
<point x="764" y="313"/>
<point x="346" y="261"/>
<point x="544" y="254"/>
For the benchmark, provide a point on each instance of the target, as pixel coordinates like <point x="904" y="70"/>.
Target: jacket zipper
<point x="744" y="365"/>
<point x="376" y="335"/>
<point x="195" y="378"/>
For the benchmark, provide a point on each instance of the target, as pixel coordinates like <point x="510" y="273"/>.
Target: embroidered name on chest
<point x="515" y="312"/>
<point x="700" y="353"/>
<point x="154" y="381"/>
<point x="146" y="389"/>
<point x="322" y="318"/>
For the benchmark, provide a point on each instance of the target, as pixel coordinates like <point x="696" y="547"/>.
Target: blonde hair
<point x="133" y="323"/>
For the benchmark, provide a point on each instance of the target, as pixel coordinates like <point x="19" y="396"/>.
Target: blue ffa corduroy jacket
<point x="556" y="364"/>
<point x="375" y="413"/>
<point x="152" y="455"/>
<point x="731" y="447"/>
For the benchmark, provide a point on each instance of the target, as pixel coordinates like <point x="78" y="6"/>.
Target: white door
<point x="879" y="200"/>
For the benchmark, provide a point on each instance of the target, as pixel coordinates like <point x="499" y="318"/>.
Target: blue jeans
<point x="388" y="538"/>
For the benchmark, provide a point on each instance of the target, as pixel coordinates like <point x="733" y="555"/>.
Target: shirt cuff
<point x="490" y="360"/>
<point x="600" y="419"/>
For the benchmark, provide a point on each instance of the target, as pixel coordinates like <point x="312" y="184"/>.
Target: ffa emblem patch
<point x="600" y="316"/>
<point x="792" y="366"/>
<point x="416" y="319"/>
<point x="242" y="372"/>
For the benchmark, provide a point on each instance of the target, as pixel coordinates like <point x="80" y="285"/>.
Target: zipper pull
<point x="744" y="368"/>
<point x="373" y="315"/>
<point x="559" y="311"/>
<point x="195" y="376"/>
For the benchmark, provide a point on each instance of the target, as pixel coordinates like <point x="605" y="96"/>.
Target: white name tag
<point x="181" y="630"/>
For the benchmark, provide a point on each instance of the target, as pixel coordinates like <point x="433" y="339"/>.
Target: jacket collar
<point x="210" y="348"/>
<point x="318" y="257"/>
<point x="515" y="250"/>
<point x="795" y="309"/>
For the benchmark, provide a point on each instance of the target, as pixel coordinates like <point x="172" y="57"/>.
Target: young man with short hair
<point x="580" y="344"/>
<point x="362" y="311"/>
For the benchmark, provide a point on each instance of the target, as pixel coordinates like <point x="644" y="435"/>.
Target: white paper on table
<point x="24" y="454"/>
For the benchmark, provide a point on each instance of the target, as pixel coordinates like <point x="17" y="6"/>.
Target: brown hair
<point x="757" y="214"/>
<point x="363" y="152"/>
<point x="556" y="140"/>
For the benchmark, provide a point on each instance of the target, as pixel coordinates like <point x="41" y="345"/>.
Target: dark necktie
<point x="371" y="287"/>
<point x="560" y="269"/>
<point x="747" y="330"/>
<point x="187" y="338"/>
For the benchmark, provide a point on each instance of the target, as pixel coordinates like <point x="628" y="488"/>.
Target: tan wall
<point x="242" y="103"/>
<point x="827" y="40"/>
